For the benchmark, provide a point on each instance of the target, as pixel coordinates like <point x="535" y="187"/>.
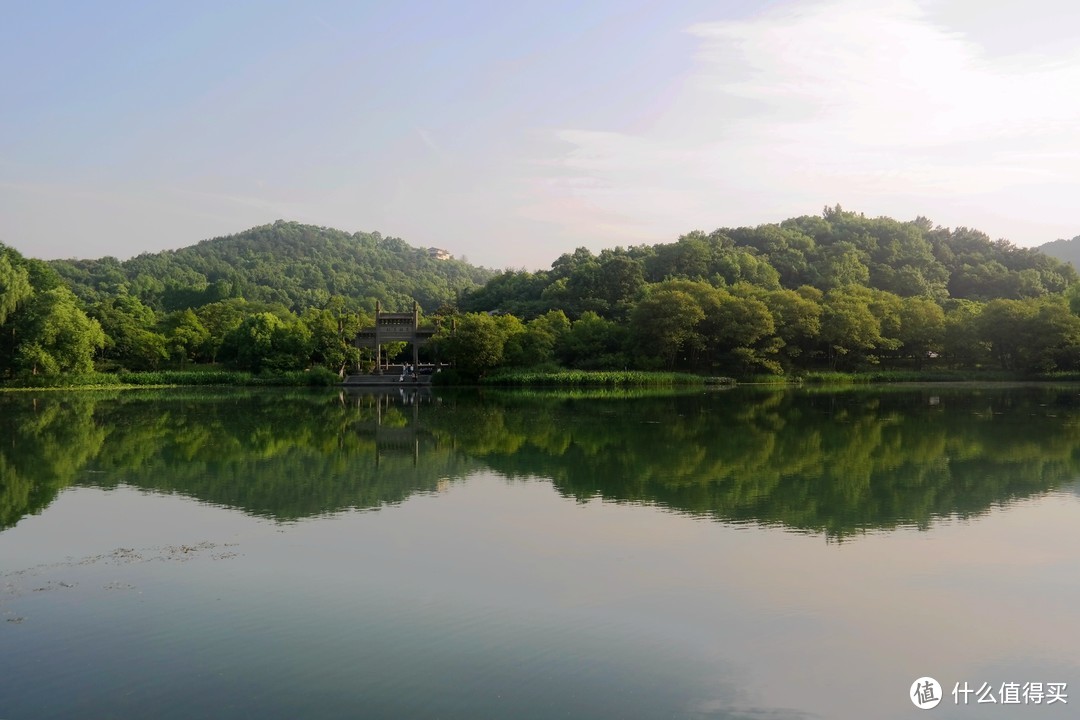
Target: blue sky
<point x="510" y="133"/>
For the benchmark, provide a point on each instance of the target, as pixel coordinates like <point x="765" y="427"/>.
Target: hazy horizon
<point x="510" y="134"/>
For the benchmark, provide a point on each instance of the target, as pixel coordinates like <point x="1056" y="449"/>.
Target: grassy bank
<point x="176" y="378"/>
<point x="511" y="378"/>
<point x="878" y="377"/>
<point x="584" y="378"/>
<point x="902" y="376"/>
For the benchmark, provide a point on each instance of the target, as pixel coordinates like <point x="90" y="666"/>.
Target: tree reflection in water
<point x="838" y="463"/>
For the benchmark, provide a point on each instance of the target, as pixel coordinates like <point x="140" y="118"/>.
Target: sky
<point x="510" y="133"/>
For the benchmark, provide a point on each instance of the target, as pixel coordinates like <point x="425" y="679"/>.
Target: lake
<point x="741" y="553"/>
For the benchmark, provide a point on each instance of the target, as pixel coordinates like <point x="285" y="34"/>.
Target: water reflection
<point x="838" y="463"/>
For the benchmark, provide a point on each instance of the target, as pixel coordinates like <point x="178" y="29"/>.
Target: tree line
<point x="839" y="291"/>
<point x="835" y="292"/>
<point x="45" y="329"/>
<point x="284" y="296"/>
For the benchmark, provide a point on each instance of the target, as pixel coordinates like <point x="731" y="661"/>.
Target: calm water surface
<point x="736" y="554"/>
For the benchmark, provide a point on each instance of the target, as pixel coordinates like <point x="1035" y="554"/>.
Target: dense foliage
<point x="43" y="330"/>
<point x="836" y="292"/>
<point x="274" y="299"/>
<point x="288" y="264"/>
<point x="839" y="291"/>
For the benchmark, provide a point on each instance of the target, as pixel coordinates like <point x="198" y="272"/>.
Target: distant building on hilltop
<point x="439" y="253"/>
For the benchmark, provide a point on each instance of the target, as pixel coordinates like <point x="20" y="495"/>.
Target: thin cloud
<point x="429" y="142"/>
<point x="335" y="30"/>
<point x="873" y="105"/>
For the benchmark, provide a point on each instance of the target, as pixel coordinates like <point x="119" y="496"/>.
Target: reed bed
<point x="588" y="378"/>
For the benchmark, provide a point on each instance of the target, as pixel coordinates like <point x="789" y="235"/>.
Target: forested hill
<point x="298" y="266"/>
<point x="837" y="249"/>
<point x="837" y="291"/>
<point x="1064" y="250"/>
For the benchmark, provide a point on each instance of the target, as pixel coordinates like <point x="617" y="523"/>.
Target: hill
<point x="1064" y="250"/>
<point x="837" y="249"/>
<point x="839" y="291"/>
<point x="287" y="263"/>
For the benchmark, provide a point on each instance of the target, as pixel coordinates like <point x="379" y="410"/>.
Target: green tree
<point x="15" y="286"/>
<point x="620" y="281"/>
<point x="742" y="331"/>
<point x="963" y="343"/>
<point x="887" y="307"/>
<point x="130" y="337"/>
<point x="1055" y="337"/>
<point x="514" y="291"/>
<point x="594" y="343"/>
<point x="1003" y="325"/>
<point x="786" y="249"/>
<point x="52" y="335"/>
<point x="185" y="335"/>
<point x="264" y="341"/>
<point x="797" y="318"/>
<point x="842" y="264"/>
<point x="742" y="266"/>
<point x="664" y="325"/>
<point x="689" y="259"/>
<point x="478" y="342"/>
<point x="1033" y="335"/>
<point x="332" y="330"/>
<point x="922" y="328"/>
<point x="220" y="319"/>
<point x="849" y="328"/>
<point x="536" y="346"/>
